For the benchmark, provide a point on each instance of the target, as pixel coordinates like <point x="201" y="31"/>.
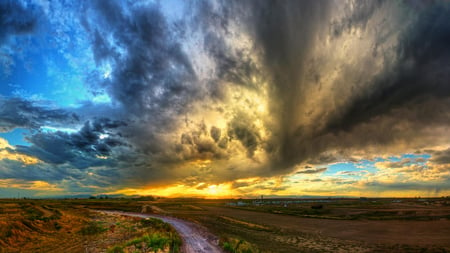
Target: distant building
<point x="241" y="203"/>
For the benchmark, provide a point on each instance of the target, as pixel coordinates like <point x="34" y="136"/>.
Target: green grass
<point x="156" y="241"/>
<point x="233" y="245"/>
<point x="115" y="249"/>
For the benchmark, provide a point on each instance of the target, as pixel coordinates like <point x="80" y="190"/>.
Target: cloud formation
<point x="16" y="19"/>
<point x="20" y="113"/>
<point x="309" y="170"/>
<point x="90" y="147"/>
<point x="214" y="92"/>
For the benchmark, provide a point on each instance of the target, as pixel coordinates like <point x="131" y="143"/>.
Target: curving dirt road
<point x="195" y="239"/>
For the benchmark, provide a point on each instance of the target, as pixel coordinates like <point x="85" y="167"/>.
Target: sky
<point x="224" y="98"/>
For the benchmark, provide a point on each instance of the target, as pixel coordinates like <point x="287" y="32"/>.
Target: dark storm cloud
<point x="245" y="134"/>
<point x="241" y="184"/>
<point x="197" y="144"/>
<point x="434" y="187"/>
<point x="232" y="65"/>
<point x="215" y="133"/>
<point x="83" y="149"/>
<point x="63" y="176"/>
<point x="151" y="73"/>
<point x="16" y="19"/>
<point x="152" y="78"/>
<point x="441" y="157"/>
<point x="422" y="74"/>
<point x="10" y="169"/>
<point x="332" y="80"/>
<point x="17" y="112"/>
<point x="393" y="106"/>
<point x="155" y="79"/>
<point x="311" y="171"/>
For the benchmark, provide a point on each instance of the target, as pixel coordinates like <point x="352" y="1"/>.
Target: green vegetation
<point x="70" y="226"/>
<point x="160" y="236"/>
<point x="31" y="213"/>
<point x="238" y="246"/>
<point x="93" y="228"/>
<point x="156" y="224"/>
<point x="115" y="249"/>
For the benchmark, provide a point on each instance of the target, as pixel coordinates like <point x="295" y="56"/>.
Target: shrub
<point x="57" y="225"/>
<point x="227" y="247"/>
<point x="93" y="228"/>
<point x="238" y="246"/>
<point x="156" y="241"/>
<point x="156" y="224"/>
<point x="116" y="249"/>
<point x="31" y="213"/>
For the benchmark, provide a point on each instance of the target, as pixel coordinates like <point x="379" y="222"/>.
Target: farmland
<point x="271" y="225"/>
<point x="339" y="225"/>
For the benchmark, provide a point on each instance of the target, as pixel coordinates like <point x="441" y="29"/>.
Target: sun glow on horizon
<point x="179" y="190"/>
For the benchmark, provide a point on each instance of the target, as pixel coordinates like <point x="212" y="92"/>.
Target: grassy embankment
<point x="69" y="226"/>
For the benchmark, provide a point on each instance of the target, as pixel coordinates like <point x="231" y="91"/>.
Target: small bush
<point x="116" y="249"/>
<point x="238" y="246"/>
<point x="57" y="225"/>
<point x="93" y="228"/>
<point x="156" y="241"/>
<point x="31" y="213"/>
<point x="155" y="223"/>
<point x="227" y="247"/>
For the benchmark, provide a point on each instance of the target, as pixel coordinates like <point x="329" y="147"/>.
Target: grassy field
<point x="243" y="226"/>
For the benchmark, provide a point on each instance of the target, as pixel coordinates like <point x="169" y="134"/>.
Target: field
<point x="67" y="226"/>
<point x="271" y="225"/>
<point x="325" y="225"/>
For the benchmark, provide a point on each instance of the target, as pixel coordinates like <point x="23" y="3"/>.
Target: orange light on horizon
<point x="179" y="190"/>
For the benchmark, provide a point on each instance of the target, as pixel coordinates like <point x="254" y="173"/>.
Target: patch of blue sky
<point x="60" y="83"/>
<point x="67" y="85"/>
<point x="25" y="77"/>
<point x="416" y="156"/>
<point x="347" y="168"/>
<point x="357" y="169"/>
<point x="52" y="63"/>
<point x="412" y="157"/>
<point x="58" y="129"/>
<point x="393" y="159"/>
<point x="16" y="137"/>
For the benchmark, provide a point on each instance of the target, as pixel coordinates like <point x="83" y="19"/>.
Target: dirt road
<point x="195" y="239"/>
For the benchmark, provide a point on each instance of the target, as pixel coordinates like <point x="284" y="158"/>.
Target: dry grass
<point x="341" y="226"/>
<point x="67" y="226"/>
<point x="244" y="223"/>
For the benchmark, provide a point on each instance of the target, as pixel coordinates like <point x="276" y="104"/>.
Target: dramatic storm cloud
<point x="226" y="97"/>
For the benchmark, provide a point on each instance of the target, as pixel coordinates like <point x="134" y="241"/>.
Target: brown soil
<point x="373" y="232"/>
